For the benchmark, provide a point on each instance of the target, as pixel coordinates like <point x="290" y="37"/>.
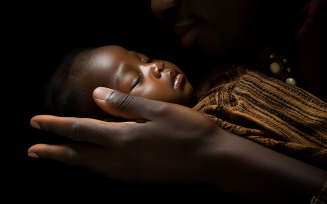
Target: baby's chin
<point x="187" y="100"/>
<point x="189" y="94"/>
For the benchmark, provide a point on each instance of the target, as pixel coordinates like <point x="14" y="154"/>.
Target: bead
<point x="291" y="81"/>
<point x="271" y="56"/>
<point x="274" y="67"/>
<point x="285" y="60"/>
<point x="288" y="69"/>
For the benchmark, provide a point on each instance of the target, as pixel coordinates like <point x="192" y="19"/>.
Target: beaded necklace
<point x="274" y="63"/>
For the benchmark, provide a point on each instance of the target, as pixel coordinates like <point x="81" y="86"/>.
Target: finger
<point x="96" y="158"/>
<point x="138" y="108"/>
<point x="62" y="153"/>
<point x="76" y="154"/>
<point x="83" y="129"/>
<point x="128" y="106"/>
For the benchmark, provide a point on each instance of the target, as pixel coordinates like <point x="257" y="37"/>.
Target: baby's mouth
<point x="177" y="79"/>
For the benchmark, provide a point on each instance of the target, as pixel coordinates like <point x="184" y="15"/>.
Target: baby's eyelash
<point x="139" y="80"/>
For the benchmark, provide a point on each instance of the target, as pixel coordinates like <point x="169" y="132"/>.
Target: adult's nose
<point x="162" y="8"/>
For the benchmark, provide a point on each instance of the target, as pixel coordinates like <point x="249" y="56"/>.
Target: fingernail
<point x="35" y="125"/>
<point x="101" y="93"/>
<point x="33" y="155"/>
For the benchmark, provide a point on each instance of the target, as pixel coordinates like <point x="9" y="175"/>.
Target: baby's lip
<point x="172" y="74"/>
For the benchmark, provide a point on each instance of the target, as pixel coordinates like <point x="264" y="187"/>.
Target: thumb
<point x="127" y="106"/>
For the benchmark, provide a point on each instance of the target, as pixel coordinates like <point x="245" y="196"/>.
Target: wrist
<point x="321" y="196"/>
<point x="240" y="166"/>
<point x="213" y="154"/>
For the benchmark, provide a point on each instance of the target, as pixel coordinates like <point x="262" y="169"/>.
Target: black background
<point x="35" y="37"/>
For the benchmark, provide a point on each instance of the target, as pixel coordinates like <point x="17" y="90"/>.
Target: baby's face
<point x="134" y="73"/>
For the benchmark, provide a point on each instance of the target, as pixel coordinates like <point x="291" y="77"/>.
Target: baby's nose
<point x="156" y="69"/>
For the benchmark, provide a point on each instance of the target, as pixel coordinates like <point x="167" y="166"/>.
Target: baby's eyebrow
<point x="122" y="72"/>
<point x="135" y="54"/>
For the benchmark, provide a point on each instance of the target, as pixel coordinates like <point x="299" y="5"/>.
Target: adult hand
<point x="160" y="142"/>
<point x="165" y="142"/>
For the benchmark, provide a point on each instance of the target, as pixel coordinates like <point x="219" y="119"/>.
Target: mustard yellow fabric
<point x="268" y="111"/>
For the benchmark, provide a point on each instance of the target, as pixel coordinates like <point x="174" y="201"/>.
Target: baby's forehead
<point x="111" y="49"/>
<point x="103" y="56"/>
<point x="102" y="63"/>
<point x="105" y="53"/>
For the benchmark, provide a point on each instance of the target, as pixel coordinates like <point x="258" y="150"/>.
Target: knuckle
<point x="128" y="139"/>
<point x="162" y="108"/>
<point x="77" y="128"/>
<point x="71" y="157"/>
<point x="119" y="100"/>
<point x="159" y="109"/>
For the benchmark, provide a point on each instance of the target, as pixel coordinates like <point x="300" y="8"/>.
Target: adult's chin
<point x="211" y="43"/>
<point x="220" y="44"/>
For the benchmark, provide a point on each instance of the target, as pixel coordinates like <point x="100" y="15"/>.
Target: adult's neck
<point x="276" y="24"/>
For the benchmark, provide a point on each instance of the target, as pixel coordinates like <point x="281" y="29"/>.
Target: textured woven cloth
<point x="268" y="111"/>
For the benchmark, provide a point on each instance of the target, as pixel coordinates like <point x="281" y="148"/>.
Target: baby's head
<point x="70" y="89"/>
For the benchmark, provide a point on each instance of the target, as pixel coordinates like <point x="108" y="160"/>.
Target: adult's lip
<point x="187" y="30"/>
<point x="182" y="26"/>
